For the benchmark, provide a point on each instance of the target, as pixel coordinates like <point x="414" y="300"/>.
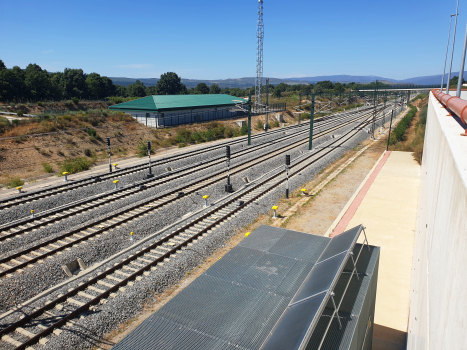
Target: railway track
<point x="37" y="326"/>
<point x="27" y="224"/>
<point x="29" y="197"/>
<point x="38" y="252"/>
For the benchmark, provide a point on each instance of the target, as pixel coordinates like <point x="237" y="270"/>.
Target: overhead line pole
<point x="452" y="50"/>
<point x="461" y="70"/>
<point x="447" y="50"/>
<point x="312" y="115"/>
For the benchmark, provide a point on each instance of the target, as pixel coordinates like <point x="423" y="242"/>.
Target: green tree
<point x="121" y="91"/>
<point x="214" y="89"/>
<point x="37" y="82"/>
<point x="73" y="83"/>
<point x="202" y="88"/>
<point x="169" y="84"/>
<point x="151" y="90"/>
<point x="136" y="90"/>
<point x="95" y="86"/>
<point x="277" y="91"/>
<point x="338" y="87"/>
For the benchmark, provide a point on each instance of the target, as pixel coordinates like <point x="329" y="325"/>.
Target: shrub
<point x="47" y="168"/>
<point x="183" y="136"/>
<point x="21" y="112"/>
<point x="14" y="182"/>
<point x="142" y="149"/>
<point x="244" y="130"/>
<point x="399" y="130"/>
<point x="87" y="152"/>
<point x="60" y="153"/>
<point x="259" y="124"/>
<point x="75" y="165"/>
<point x="39" y="103"/>
<point x="75" y="100"/>
<point x="92" y="132"/>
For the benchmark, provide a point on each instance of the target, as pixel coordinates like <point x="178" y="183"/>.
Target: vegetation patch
<point x="399" y="131"/>
<point x="75" y="165"/>
<point x="14" y="182"/>
<point x="47" y="168"/>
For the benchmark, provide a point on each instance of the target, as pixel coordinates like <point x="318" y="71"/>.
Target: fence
<point x="157" y="121"/>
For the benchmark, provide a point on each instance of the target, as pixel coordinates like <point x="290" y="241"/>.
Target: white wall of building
<point x="438" y="302"/>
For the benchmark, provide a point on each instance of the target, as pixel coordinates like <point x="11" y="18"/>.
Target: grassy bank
<point x="411" y="136"/>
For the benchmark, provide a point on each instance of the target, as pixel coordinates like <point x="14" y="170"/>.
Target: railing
<point x="455" y="104"/>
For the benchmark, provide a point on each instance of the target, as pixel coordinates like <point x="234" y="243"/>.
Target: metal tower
<point x="259" y="55"/>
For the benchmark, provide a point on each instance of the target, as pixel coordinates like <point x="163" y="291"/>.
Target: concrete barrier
<point x="438" y="301"/>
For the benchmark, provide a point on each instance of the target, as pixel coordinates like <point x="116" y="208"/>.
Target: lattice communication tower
<point x="259" y="55"/>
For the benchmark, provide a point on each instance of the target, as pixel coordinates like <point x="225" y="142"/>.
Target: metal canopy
<point x="296" y="325"/>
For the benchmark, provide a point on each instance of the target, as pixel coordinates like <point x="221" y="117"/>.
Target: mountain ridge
<point x="250" y="81"/>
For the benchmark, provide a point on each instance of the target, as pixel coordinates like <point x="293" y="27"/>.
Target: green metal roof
<point x="164" y="103"/>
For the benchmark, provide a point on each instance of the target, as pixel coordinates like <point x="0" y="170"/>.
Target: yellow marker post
<point x="32" y="213"/>
<point x="115" y="165"/>
<point x="205" y="197"/>
<point x="275" y="207"/>
<point x="65" y="173"/>
<point x="116" y="183"/>
<point x="303" y="191"/>
<point x="247" y="234"/>
<point x="19" y="188"/>
<point x="131" y="235"/>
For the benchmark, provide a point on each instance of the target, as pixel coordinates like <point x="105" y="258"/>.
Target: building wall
<point x="181" y="117"/>
<point x="438" y="302"/>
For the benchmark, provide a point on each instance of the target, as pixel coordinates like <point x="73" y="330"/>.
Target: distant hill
<point x="249" y="82"/>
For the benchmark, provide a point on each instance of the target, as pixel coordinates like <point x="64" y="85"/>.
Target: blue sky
<point x="208" y="39"/>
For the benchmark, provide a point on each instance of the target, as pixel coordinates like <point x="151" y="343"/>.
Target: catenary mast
<point x="259" y="55"/>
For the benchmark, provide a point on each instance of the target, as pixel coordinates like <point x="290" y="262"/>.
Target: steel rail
<point x="76" y="207"/>
<point x="149" y="249"/>
<point x="82" y="235"/>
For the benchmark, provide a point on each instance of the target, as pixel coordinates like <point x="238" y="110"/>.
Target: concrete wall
<point x="181" y="117"/>
<point x="438" y="303"/>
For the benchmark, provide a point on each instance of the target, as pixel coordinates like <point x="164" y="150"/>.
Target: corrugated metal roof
<point x="238" y="300"/>
<point x="163" y="103"/>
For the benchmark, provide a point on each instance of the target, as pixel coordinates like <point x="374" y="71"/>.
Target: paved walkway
<point x="386" y="204"/>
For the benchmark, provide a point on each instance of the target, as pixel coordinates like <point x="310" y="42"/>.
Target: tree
<point x="455" y="80"/>
<point x="73" y="83"/>
<point x="37" y="82"/>
<point x="169" y="84"/>
<point x="95" y="86"/>
<point x="324" y="85"/>
<point x="202" y="88"/>
<point x="2" y="65"/>
<point x="214" y="89"/>
<point x="338" y="87"/>
<point x="277" y="91"/>
<point x="151" y="90"/>
<point x="136" y="90"/>
<point x="121" y="91"/>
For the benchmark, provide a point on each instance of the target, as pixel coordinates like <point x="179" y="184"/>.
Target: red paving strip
<point x="341" y="226"/>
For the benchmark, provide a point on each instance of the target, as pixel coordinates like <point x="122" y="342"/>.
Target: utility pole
<point x="312" y="112"/>
<point x="259" y="55"/>
<point x="110" y="160"/>
<point x="373" y="125"/>
<point x="287" y="164"/>
<point x="447" y="49"/>
<point x="267" y="104"/>
<point x="228" y="187"/>
<point x="461" y="71"/>
<point x="452" y="50"/>
<point x="390" y="127"/>
<point x="249" y="119"/>
<point x="150" y="174"/>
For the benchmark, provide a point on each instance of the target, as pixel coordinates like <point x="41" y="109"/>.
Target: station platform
<point x="386" y="204"/>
